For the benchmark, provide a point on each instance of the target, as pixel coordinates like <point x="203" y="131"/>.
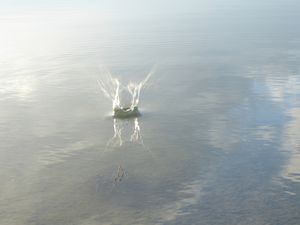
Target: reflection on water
<point x="119" y="175"/>
<point x="291" y="145"/>
<point x="125" y="131"/>
<point x="23" y="87"/>
<point x="190" y="195"/>
<point x="285" y="92"/>
<point x="218" y="142"/>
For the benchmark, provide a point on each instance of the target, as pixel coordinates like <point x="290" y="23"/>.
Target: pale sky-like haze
<point x="144" y="8"/>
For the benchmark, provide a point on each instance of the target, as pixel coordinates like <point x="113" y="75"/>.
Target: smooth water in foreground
<point x="218" y="139"/>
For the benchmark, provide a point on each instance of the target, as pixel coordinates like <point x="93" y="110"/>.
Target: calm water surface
<point x="219" y="136"/>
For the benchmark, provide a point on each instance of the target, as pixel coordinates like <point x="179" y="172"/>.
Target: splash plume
<point x="112" y="89"/>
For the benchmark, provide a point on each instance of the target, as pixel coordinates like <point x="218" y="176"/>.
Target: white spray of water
<point x="125" y="131"/>
<point x="112" y="89"/>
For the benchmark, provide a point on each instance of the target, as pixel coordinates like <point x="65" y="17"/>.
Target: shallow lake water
<point x="218" y="139"/>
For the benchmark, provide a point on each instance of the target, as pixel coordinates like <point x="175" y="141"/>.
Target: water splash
<point x="112" y="88"/>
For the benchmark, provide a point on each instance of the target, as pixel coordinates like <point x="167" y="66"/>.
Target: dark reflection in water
<point x="218" y="141"/>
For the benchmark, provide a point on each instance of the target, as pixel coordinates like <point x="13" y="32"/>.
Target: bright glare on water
<point x="218" y="139"/>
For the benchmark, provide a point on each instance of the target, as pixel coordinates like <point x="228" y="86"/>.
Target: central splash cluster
<point x="112" y="88"/>
<point x="126" y="112"/>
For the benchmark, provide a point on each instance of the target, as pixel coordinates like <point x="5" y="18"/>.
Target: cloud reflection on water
<point x="189" y="195"/>
<point x="285" y="93"/>
<point x="291" y="144"/>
